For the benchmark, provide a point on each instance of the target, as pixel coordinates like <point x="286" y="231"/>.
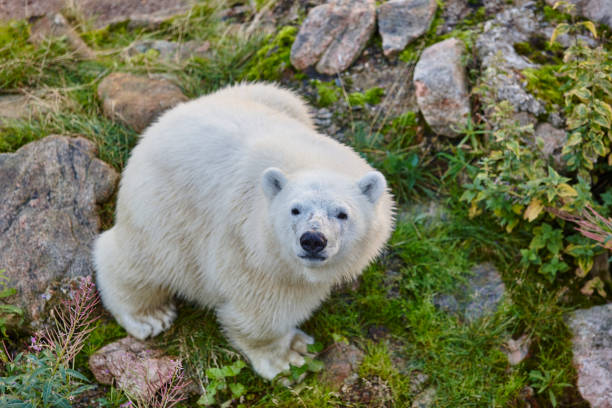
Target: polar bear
<point x="234" y="201"/>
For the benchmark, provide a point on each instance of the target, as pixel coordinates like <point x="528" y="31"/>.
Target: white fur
<point x="204" y="212"/>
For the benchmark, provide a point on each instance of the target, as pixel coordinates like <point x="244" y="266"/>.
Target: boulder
<point x="50" y="190"/>
<point x="134" y="367"/>
<point x="137" y="100"/>
<point x="441" y="87"/>
<point x="550" y="142"/>
<point x="333" y="35"/>
<point x="18" y="106"/>
<point x="592" y="348"/>
<point x="402" y="21"/>
<point x="502" y="64"/>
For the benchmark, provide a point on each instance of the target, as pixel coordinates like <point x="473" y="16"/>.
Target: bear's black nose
<point x="313" y="242"/>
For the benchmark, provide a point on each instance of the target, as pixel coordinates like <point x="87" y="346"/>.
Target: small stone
<point x="517" y="350"/>
<point x="169" y="50"/>
<point x="137" y="100"/>
<point x="592" y="349"/>
<point x="50" y="190"/>
<point x="441" y="87"/>
<point x="133" y="366"/>
<point x="426" y="399"/>
<point x="341" y="360"/>
<point x="479" y="297"/>
<point x="55" y="25"/>
<point x="402" y="21"/>
<point x="334" y="34"/>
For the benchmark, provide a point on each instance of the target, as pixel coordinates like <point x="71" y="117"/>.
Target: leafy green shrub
<point x="219" y="382"/>
<point x="372" y="97"/>
<point x="517" y="183"/>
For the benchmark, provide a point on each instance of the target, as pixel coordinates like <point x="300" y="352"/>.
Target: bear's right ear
<point x="272" y="181"/>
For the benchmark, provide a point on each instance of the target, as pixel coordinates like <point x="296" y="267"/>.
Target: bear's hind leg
<point x="141" y="307"/>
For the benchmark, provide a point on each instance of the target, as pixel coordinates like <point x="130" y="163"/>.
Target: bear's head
<point x="321" y="218"/>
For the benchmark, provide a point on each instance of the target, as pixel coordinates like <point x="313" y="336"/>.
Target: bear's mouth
<point x="313" y="257"/>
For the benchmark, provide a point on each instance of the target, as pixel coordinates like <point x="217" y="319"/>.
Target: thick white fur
<point x="198" y="218"/>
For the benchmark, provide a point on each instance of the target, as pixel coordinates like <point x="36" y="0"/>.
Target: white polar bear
<point x="235" y="202"/>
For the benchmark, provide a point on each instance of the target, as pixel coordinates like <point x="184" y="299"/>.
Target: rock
<point x="426" y="399"/>
<point x="148" y="13"/>
<point x="134" y="367"/>
<point x="341" y="362"/>
<point x="402" y="21"/>
<point x="550" y="142"/>
<point x="592" y="348"/>
<point x="453" y="12"/>
<point x="517" y="350"/>
<point x="479" y="297"/>
<point x="169" y="50"/>
<point x="25" y="9"/>
<point x="441" y="87"/>
<point x="55" y="25"/>
<point x="50" y="190"/>
<point x="334" y="34"/>
<point x="599" y="11"/>
<point x="502" y="64"/>
<point x="24" y="107"/>
<point x="137" y="100"/>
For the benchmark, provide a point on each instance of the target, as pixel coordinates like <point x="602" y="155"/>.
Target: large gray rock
<point x="402" y="21"/>
<point x="169" y="50"/>
<point x="137" y="100"/>
<point x="134" y="367"/>
<point x="49" y="192"/>
<point x="599" y="11"/>
<point x="479" y="297"/>
<point x="441" y="87"/>
<point x="502" y="64"/>
<point x="592" y="348"/>
<point x="333" y="35"/>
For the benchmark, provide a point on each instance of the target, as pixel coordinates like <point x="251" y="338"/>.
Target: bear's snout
<point x="313" y="242"/>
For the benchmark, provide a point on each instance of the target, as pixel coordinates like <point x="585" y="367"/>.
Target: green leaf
<point x="237" y="389"/>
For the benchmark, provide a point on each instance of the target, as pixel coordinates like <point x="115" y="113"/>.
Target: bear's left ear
<point x="272" y="181"/>
<point x="372" y="185"/>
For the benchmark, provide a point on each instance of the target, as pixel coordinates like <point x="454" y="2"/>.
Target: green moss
<point x="328" y="93"/>
<point x="372" y="96"/>
<point x="272" y="60"/>
<point x="546" y="84"/>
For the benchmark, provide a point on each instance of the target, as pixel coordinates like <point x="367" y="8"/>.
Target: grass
<point x="432" y="249"/>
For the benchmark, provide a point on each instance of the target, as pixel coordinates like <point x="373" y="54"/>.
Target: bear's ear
<point x="372" y="185"/>
<point x="272" y="181"/>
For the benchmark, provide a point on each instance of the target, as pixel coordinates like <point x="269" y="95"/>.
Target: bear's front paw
<point x="275" y="360"/>
<point x="143" y="326"/>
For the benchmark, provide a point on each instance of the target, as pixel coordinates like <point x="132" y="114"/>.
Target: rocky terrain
<point x="462" y="309"/>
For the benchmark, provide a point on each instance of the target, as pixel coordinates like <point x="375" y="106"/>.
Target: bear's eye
<point x="342" y="215"/>
<point x="295" y="211"/>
